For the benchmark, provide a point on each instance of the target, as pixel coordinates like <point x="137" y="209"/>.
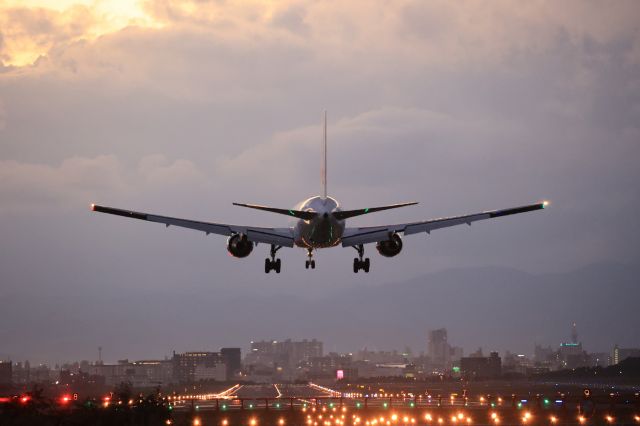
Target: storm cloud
<point x="190" y="106"/>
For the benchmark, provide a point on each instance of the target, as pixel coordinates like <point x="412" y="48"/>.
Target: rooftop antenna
<point x="100" y="355"/>
<point x="574" y="334"/>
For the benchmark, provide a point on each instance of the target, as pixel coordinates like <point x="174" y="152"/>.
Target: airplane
<point x="321" y="223"/>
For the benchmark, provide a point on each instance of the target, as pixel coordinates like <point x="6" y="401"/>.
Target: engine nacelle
<point x="391" y="247"/>
<point x="239" y="246"/>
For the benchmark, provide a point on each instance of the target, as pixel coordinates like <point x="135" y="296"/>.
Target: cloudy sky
<point x="183" y="107"/>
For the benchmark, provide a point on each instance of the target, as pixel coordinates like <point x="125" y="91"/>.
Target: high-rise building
<point x="438" y="349"/>
<point x="5" y="372"/>
<point x="620" y="354"/>
<point x="232" y="358"/>
<point x="190" y="367"/>
<point x="481" y="367"/>
<point x="286" y="353"/>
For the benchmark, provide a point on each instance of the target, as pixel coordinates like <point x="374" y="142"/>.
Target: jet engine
<point x="390" y="247"/>
<point x="239" y="246"/>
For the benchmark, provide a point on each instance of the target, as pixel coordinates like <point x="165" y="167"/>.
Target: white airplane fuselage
<point x="324" y="230"/>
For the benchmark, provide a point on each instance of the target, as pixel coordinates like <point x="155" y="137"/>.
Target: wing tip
<point x="92" y="207"/>
<point x="545" y="204"/>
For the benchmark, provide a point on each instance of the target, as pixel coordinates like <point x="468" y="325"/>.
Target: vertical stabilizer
<point x="324" y="157"/>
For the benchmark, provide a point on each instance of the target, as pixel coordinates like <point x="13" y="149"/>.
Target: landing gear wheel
<point x="310" y="263"/>
<point x="272" y="264"/>
<point x="358" y="262"/>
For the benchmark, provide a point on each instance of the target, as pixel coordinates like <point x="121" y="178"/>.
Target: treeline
<point x="626" y="369"/>
<point x="123" y="407"/>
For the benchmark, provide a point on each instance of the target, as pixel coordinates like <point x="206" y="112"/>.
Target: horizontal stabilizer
<point x="295" y="213"/>
<point x="345" y="214"/>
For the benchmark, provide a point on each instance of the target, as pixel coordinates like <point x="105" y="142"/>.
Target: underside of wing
<point x="278" y="236"/>
<point x="372" y="234"/>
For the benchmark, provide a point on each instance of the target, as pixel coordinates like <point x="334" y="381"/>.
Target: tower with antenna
<point x="574" y="333"/>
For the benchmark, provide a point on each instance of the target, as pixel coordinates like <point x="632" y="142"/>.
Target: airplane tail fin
<point x="345" y="214"/>
<point x="323" y="166"/>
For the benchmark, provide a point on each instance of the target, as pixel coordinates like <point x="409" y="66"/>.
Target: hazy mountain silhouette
<point x="496" y="308"/>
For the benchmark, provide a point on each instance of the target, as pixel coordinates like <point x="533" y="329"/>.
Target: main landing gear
<point x="272" y="264"/>
<point x="310" y="263"/>
<point x="358" y="263"/>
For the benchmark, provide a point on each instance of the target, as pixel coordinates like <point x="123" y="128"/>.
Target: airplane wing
<point x="278" y="236"/>
<point x="373" y="234"/>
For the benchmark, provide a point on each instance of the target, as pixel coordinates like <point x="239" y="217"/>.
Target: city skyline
<point x="442" y="348"/>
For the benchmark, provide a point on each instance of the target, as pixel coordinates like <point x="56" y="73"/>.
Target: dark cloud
<point x="489" y="107"/>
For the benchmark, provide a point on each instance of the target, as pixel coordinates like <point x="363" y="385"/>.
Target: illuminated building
<point x="191" y="367"/>
<point x="620" y="354"/>
<point x="286" y="353"/>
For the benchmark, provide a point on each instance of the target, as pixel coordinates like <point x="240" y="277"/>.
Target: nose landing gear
<point x="310" y="263"/>
<point x="272" y="264"/>
<point x="358" y="262"/>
